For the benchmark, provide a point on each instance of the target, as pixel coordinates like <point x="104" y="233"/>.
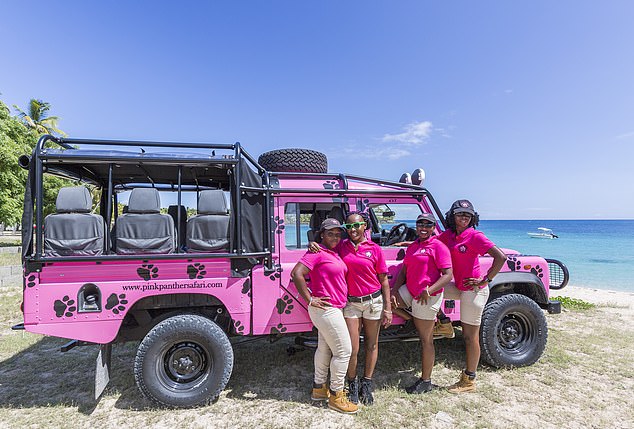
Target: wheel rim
<point x="184" y="364"/>
<point x="516" y="334"/>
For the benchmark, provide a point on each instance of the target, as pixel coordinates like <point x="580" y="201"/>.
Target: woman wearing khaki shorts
<point x="425" y="271"/>
<point x="368" y="301"/>
<point x="466" y="244"/>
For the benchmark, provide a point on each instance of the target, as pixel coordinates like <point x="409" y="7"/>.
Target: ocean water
<point x="598" y="253"/>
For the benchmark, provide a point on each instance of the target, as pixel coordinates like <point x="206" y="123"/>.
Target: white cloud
<point x="415" y="134"/>
<point x="390" y="152"/>
<point x="625" y="136"/>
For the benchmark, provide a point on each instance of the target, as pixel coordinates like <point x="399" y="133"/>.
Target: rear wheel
<point x="184" y="361"/>
<point x="294" y="160"/>
<point x="513" y="331"/>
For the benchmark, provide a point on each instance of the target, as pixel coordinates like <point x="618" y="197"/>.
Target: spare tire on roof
<point x="294" y="160"/>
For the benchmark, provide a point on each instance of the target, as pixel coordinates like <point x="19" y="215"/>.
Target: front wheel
<point x="513" y="331"/>
<point x="184" y="361"/>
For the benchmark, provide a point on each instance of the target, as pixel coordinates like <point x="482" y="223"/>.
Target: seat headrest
<point x="212" y="202"/>
<point x="337" y="213"/>
<point x="144" y="200"/>
<point x="74" y="199"/>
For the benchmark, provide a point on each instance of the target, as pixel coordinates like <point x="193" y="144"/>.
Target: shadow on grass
<point x="42" y="376"/>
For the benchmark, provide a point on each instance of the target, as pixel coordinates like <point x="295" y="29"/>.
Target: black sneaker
<point x="420" y="387"/>
<point x="365" y="392"/>
<point x="353" y="390"/>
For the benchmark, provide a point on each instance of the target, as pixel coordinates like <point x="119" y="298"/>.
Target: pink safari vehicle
<point x="122" y="259"/>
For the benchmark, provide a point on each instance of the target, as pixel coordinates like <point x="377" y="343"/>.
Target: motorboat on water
<point x="543" y="233"/>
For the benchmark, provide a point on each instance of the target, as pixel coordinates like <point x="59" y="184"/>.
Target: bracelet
<point x="387" y="312"/>
<point x="427" y="290"/>
<point x="310" y="300"/>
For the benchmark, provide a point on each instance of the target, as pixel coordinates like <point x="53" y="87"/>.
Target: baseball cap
<point x="330" y="224"/>
<point x="426" y="217"/>
<point x="462" y="206"/>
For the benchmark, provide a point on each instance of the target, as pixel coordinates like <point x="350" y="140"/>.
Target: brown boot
<point x="466" y="384"/>
<point x="338" y="401"/>
<point x="320" y="393"/>
<point x="443" y="330"/>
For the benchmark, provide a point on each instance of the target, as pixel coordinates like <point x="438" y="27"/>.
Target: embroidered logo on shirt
<point x="368" y="254"/>
<point x="462" y="249"/>
<point x="423" y="250"/>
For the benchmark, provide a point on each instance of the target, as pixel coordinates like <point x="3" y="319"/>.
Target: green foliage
<point x="573" y="303"/>
<point x="15" y="140"/>
<point x="38" y="119"/>
<point x="18" y="138"/>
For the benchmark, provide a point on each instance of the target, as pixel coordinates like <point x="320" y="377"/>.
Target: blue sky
<point x="526" y="108"/>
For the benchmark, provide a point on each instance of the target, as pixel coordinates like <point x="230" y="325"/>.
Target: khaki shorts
<point x="369" y="310"/>
<point x="471" y="302"/>
<point x="421" y="311"/>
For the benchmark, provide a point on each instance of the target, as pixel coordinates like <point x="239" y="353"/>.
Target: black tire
<point x="294" y="160"/>
<point x="184" y="361"/>
<point x="513" y="331"/>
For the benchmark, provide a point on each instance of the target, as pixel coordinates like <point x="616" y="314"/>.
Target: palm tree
<point x="38" y="117"/>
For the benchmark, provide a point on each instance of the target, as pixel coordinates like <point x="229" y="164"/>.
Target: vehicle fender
<point x="524" y="283"/>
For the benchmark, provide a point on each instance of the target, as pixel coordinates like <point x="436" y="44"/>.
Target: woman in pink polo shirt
<point x="466" y="244"/>
<point x="425" y="271"/>
<point x="326" y="299"/>
<point x="368" y="301"/>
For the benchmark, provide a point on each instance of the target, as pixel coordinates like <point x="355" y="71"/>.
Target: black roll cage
<point x="42" y="158"/>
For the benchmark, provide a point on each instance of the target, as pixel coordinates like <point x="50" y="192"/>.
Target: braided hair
<point x="364" y="216"/>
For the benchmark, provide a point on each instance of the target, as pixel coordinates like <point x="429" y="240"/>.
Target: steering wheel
<point x="397" y="234"/>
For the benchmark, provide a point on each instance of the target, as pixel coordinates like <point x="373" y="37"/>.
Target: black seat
<point x="208" y="231"/>
<point x="73" y="230"/>
<point x="143" y="229"/>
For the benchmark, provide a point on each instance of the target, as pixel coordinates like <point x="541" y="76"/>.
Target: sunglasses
<point x="425" y="225"/>
<point x="332" y="234"/>
<point x="354" y="225"/>
<point x="463" y="214"/>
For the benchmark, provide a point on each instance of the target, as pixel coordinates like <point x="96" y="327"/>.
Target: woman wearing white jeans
<point x="326" y="298"/>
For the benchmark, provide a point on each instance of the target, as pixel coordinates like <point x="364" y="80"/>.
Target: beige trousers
<point x="333" y="346"/>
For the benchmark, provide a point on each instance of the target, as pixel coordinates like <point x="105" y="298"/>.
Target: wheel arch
<point x="523" y="283"/>
<point x="151" y="310"/>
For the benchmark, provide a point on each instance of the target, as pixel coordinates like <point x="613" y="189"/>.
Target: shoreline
<point x="597" y="296"/>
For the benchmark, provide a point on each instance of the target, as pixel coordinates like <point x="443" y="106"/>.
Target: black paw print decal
<point x="64" y="307"/>
<point x="147" y="272"/>
<point x="238" y="327"/>
<point x="196" y="271"/>
<point x="30" y="281"/>
<point x="116" y="303"/>
<point x="279" y="225"/>
<point x="362" y="205"/>
<point x="279" y="329"/>
<point x="538" y="271"/>
<point x="246" y="287"/>
<point x="284" y="305"/>
<point x="331" y="184"/>
<point x="400" y="255"/>
<point x="513" y="263"/>
<point x="277" y="273"/>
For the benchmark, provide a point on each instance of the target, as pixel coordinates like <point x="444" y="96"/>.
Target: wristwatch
<point x="487" y="279"/>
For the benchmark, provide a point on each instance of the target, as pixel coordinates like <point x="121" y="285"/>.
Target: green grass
<point x="573" y="303"/>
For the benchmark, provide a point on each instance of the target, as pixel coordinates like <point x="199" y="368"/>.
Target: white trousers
<point x="333" y="346"/>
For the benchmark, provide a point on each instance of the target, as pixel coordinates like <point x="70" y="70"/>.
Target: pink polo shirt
<point x="465" y="249"/>
<point x="424" y="260"/>
<point x="327" y="276"/>
<point x="364" y="264"/>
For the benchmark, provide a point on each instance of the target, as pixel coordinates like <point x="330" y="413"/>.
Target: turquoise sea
<point x="598" y="253"/>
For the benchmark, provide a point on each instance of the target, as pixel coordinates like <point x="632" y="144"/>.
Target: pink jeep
<point x="123" y="260"/>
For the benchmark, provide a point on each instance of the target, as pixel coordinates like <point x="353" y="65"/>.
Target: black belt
<point x="364" y="298"/>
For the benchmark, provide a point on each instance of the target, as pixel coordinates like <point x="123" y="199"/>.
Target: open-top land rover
<point x="122" y="259"/>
